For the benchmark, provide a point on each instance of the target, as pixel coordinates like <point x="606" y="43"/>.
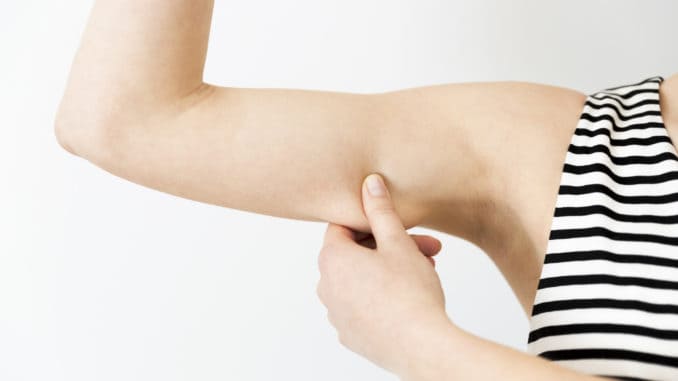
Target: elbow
<point x="62" y="134"/>
<point x="79" y="131"/>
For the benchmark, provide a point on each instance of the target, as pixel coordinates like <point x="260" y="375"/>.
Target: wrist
<point x="426" y="345"/>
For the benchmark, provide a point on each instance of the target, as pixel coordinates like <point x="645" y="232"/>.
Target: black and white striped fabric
<point x="607" y="300"/>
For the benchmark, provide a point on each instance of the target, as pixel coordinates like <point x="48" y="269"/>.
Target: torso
<point x="527" y="187"/>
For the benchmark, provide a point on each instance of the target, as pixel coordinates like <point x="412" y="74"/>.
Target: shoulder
<point x="524" y="148"/>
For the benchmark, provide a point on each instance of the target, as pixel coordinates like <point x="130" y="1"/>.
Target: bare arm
<point x="136" y="105"/>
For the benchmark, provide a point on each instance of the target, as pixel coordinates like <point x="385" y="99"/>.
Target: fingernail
<point x="375" y="185"/>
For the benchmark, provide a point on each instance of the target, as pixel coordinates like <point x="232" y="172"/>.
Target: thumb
<point x="387" y="228"/>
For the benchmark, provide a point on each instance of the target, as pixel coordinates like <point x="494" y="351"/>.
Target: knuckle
<point x="321" y="262"/>
<point x="330" y="247"/>
<point x="320" y="291"/>
<point x="324" y="259"/>
<point x="392" y="236"/>
<point x="326" y="246"/>
<point x="395" y="241"/>
<point x="330" y="258"/>
<point x="381" y="210"/>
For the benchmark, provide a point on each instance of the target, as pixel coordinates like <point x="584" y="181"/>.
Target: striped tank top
<point x="607" y="299"/>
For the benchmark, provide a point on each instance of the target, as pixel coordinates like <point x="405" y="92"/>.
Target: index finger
<point x="338" y="234"/>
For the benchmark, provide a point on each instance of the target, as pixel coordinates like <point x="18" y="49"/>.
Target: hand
<point x="380" y="299"/>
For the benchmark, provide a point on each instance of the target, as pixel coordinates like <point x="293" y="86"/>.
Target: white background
<point x="102" y="279"/>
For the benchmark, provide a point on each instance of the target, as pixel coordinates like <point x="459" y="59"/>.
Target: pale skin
<point x="481" y="161"/>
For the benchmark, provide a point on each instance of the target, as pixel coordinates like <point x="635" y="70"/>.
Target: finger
<point x="428" y="245"/>
<point x="338" y="234"/>
<point x="387" y="228"/>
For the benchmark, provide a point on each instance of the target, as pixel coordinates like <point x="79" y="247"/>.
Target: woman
<point x="136" y="106"/>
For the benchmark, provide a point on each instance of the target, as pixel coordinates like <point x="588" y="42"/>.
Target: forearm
<point x="135" y="58"/>
<point x="449" y="353"/>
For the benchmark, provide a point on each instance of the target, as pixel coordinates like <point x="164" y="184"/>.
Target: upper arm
<point x="136" y="106"/>
<point x="303" y="154"/>
<point x="290" y="153"/>
<point x="295" y="153"/>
